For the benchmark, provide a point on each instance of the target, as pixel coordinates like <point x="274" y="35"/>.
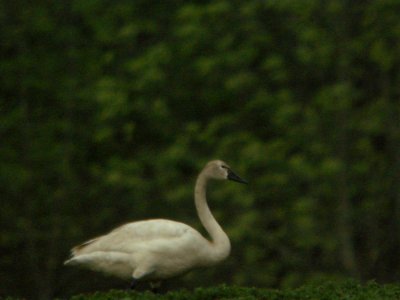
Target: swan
<point x="158" y="249"/>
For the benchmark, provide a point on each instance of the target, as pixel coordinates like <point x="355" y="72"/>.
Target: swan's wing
<point x="129" y="237"/>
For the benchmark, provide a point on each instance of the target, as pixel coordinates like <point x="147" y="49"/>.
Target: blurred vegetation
<point x="109" y="110"/>
<point x="349" y="290"/>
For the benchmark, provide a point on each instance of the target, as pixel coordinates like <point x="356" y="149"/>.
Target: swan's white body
<point x="160" y="249"/>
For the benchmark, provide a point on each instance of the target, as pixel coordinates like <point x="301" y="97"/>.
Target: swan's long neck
<point x="220" y="245"/>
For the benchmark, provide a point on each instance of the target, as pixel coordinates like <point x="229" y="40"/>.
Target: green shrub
<point x="349" y="290"/>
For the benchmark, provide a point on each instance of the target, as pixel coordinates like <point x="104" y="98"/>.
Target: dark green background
<point x="109" y="109"/>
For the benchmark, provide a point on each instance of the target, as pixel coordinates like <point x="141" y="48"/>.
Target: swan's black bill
<point x="232" y="176"/>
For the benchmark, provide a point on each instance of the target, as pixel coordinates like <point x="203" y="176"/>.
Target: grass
<point x="349" y="290"/>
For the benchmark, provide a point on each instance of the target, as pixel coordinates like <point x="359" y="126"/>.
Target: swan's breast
<point x="177" y="256"/>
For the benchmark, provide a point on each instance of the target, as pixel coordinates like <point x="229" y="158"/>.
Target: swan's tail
<point x="112" y="263"/>
<point x="75" y="251"/>
<point x="78" y="260"/>
<point x="70" y="262"/>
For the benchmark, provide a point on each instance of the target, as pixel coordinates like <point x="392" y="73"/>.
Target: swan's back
<point x="132" y="237"/>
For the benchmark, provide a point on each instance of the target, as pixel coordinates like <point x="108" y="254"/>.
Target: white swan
<point x="159" y="249"/>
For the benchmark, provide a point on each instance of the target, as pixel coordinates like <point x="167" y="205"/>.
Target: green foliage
<point x="109" y="110"/>
<point x="349" y="290"/>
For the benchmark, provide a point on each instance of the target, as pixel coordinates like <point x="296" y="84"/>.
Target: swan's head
<point x="217" y="169"/>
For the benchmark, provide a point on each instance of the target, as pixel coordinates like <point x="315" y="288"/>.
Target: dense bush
<point x="108" y="110"/>
<point x="325" y="291"/>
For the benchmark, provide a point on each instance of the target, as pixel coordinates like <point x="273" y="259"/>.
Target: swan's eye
<point x="224" y="167"/>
